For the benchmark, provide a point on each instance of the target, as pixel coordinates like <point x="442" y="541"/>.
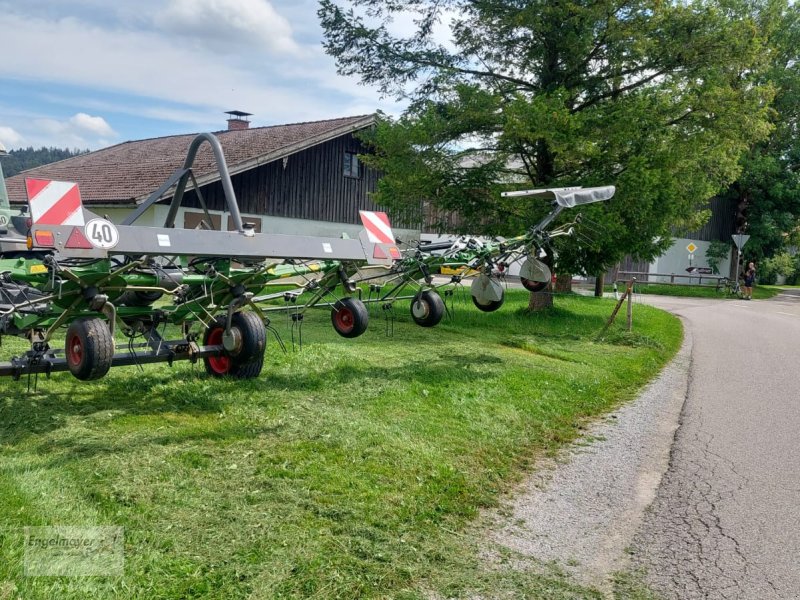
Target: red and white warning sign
<point x="377" y="225"/>
<point x="54" y="202"/>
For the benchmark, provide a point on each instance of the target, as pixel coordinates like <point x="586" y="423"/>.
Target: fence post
<point x="630" y="303"/>
<point x="626" y="293"/>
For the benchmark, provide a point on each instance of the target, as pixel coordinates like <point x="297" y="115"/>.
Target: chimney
<point x="238" y="120"/>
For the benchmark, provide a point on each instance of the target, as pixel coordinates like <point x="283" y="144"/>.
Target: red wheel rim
<point x="75" y="350"/>
<point x="344" y="320"/>
<point x="219" y="364"/>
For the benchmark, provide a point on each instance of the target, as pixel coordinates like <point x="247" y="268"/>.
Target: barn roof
<point x="129" y="172"/>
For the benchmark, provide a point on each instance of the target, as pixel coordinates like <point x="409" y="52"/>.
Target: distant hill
<point x="28" y="158"/>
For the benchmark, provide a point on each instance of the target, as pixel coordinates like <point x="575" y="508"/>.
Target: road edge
<point x="584" y="512"/>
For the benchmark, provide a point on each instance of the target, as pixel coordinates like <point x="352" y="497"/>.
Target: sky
<point x="87" y="74"/>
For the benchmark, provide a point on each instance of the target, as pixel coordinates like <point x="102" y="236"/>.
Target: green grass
<point x="696" y="291"/>
<point x="351" y="469"/>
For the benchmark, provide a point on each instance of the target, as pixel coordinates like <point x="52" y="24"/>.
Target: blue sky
<point x="90" y="73"/>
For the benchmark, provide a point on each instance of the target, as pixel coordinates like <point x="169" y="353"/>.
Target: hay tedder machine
<point x="487" y="260"/>
<point x="116" y="289"/>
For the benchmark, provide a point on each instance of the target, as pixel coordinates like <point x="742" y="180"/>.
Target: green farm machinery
<point x="117" y="290"/>
<point x="413" y="277"/>
<point x="64" y="267"/>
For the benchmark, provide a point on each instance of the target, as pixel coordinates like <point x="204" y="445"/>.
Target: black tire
<point x="492" y="306"/>
<point x="138" y="298"/>
<point x="349" y="317"/>
<point x="427" y="308"/>
<point x="533" y="286"/>
<point x="247" y="360"/>
<point x="89" y="348"/>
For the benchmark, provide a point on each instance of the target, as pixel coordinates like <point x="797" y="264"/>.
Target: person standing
<point x="749" y="280"/>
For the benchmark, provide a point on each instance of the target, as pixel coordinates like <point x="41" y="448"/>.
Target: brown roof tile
<point x="133" y="170"/>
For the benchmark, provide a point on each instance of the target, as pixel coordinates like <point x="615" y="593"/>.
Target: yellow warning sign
<point x="691" y="248"/>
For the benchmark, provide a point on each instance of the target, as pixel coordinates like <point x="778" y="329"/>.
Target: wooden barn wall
<point x="627" y="265"/>
<point x="310" y="185"/>
<point x="720" y="226"/>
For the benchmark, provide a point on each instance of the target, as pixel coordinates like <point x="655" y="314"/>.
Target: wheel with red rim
<point x="89" y="348"/>
<point x="349" y="317"/>
<point x="246" y="359"/>
<point x="533" y="286"/>
<point x="217" y="365"/>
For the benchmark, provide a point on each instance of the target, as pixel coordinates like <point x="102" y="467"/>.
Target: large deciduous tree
<point x="656" y="97"/>
<point x="767" y="194"/>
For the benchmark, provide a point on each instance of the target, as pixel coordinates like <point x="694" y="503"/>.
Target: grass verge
<point x="351" y="469"/>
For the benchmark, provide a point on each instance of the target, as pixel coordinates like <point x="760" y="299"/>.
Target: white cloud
<point x="227" y="25"/>
<point x="178" y="66"/>
<point x="9" y="137"/>
<point x="79" y="131"/>
<point x="149" y="65"/>
<point x="95" y="126"/>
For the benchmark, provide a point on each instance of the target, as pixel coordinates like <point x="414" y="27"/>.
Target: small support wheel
<point x="246" y="359"/>
<point x="533" y="286"/>
<point x="490" y="306"/>
<point x="138" y="298"/>
<point x="89" y="348"/>
<point x="349" y="317"/>
<point x="427" y="308"/>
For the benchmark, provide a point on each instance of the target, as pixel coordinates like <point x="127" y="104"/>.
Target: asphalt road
<point x="725" y="522"/>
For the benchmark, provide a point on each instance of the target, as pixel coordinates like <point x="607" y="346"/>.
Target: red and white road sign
<point x="377" y="225"/>
<point x="54" y="202"/>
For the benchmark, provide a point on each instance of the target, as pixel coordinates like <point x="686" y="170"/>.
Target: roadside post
<point x="628" y="293"/>
<point x="690" y="248"/>
<point x="630" y="303"/>
<point x="740" y="240"/>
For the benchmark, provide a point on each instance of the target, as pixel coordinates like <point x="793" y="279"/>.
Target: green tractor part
<point x="412" y="277"/>
<point x="64" y="267"/>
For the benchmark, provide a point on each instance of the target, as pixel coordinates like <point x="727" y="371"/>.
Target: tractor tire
<point x="349" y="317"/>
<point x="533" y="286"/>
<point x="138" y="298"/>
<point x="247" y="360"/>
<point x="491" y="306"/>
<point x="427" y="308"/>
<point x="89" y="348"/>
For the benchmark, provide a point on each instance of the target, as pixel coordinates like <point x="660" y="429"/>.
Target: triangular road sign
<point x="740" y="240"/>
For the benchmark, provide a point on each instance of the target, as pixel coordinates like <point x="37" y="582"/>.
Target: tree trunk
<point x="541" y="300"/>
<point x="563" y="283"/>
<point x="599" y="284"/>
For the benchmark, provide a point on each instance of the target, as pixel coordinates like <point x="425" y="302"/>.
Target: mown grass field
<point x="351" y="469"/>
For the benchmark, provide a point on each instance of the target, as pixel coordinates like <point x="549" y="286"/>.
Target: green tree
<point x="655" y="97"/>
<point x="717" y="252"/>
<point x="27" y="158"/>
<point x="767" y="193"/>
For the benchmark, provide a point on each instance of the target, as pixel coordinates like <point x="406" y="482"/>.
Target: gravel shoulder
<point x="582" y="513"/>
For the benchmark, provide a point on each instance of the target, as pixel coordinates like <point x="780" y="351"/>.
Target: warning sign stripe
<point x="378" y="228"/>
<point x="54" y="202"/>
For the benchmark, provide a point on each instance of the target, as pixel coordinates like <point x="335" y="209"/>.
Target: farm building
<point x="301" y="178"/>
<point x="676" y="260"/>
